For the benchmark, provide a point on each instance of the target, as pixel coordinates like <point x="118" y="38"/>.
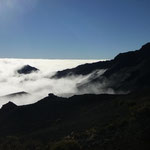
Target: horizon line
<point x="56" y="58"/>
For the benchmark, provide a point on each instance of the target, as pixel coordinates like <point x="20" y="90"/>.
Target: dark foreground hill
<point x="86" y="122"/>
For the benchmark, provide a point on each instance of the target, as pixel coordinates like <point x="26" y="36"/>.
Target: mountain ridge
<point x="132" y="65"/>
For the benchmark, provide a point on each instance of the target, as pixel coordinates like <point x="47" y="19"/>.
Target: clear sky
<point x="79" y="29"/>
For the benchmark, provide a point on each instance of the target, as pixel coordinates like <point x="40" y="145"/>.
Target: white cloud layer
<point x="38" y="84"/>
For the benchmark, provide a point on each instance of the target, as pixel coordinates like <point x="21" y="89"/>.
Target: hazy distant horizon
<point x="54" y="58"/>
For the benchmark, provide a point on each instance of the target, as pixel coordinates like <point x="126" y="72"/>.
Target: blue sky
<point x="72" y="29"/>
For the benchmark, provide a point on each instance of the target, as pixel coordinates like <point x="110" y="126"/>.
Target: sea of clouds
<point x="38" y="84"/>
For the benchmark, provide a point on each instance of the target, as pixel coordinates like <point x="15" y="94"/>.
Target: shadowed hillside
<point x="125" y="73"/>
<point x="87" y="122"/>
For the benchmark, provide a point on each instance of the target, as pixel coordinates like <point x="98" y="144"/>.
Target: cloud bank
<point x="38" y="84"/>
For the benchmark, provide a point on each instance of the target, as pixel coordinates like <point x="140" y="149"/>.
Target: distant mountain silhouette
<point x="126" y="72"/>
<point x="84" y="69"/>
<point x="27" y="69"/>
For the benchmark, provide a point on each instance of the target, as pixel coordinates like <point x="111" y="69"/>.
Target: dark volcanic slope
<point x="126" y="72"/>
<point x="83" y="69"/>
<point x="122" y="60"/>
<point x="27" y="69"/>
<point x="130" y="71"/>
<point x="87" y="122"/>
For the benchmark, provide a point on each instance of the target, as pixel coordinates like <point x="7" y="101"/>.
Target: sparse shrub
<point x="66" y="145"/>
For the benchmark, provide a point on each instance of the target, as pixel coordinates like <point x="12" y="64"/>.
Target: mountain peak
<point x="27" y="69"/>
<point x="9" y="106"/>
<point x="146" y="46"/>
<point x="145" y="51"/>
